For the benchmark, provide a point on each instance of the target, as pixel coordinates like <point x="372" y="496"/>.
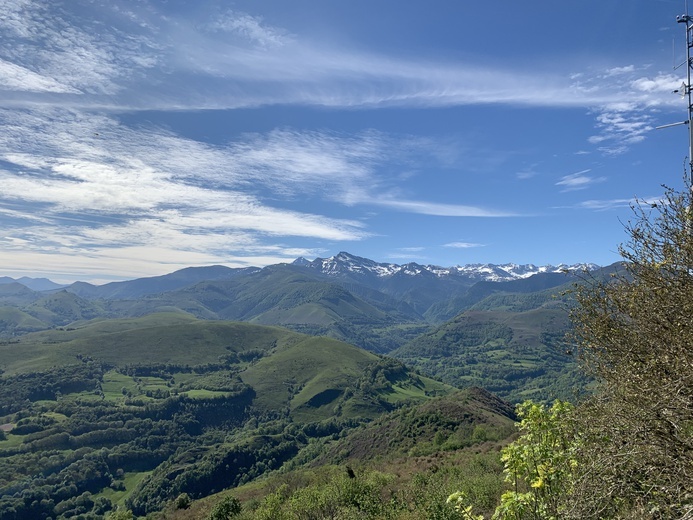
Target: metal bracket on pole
<point x="685" y="89"/>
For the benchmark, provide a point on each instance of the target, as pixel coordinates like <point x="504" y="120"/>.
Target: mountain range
<point x="345" y="264"/>
<point x="341" y="266"/>
<point x="407" y="310"/>
<point x="344" y="296"/>
<point x="180" y="385"/>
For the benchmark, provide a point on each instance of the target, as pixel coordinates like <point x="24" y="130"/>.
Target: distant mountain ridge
<point x="377" y="306"/>
<point x="345" y="263"/>
<point x="35" y="284"/>
<point x="340" y="265"/>
<point x="498" y="326"/>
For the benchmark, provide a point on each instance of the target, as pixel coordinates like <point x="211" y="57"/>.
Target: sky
<point x="139" y="137"/>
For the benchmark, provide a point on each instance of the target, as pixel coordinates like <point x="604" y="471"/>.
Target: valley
<point x="133" y="394"/>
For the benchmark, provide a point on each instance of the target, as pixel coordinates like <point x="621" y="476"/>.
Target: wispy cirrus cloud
<point x="578" y="181"/>
<point x="82" y="51"/>
<point x="620" y="126"/>
<point x="123" y="56"/>
<point x="438" y="209"/>
<point x="603" y="205"/>
<point x="233" y="59"/>
<point x="77" y="190"/>
<point x="608" y="204"/>
<point x="86" y="184"/>
<point x="253" y="29"/>
<point x="617" y="71"/>
<point x="463" y="245"/>
<point x="627" y="119"/>
<point x="77" y="180"/>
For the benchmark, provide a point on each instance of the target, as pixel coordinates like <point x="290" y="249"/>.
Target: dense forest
<point x="88" y="437"/>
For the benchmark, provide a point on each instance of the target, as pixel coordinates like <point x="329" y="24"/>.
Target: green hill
<point x="62" y="307"/>
<point x="518" y="355"/>
<point x="320" y="378"/>
<point x="285" y="296"/>
<point x="24" y="310"/>
<point x="14" y="321"/>
<point x="156" y="338"/>
<point x="403" y="464"/>
<point x="136" y="411"/>
<point x="464" y="418"/>
<point x="525" y="294"/>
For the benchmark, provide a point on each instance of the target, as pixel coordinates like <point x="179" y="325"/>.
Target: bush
<point x="183" y="501"/>
<point x="228" y="508"/>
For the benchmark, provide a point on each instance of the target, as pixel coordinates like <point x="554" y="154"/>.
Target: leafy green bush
<point x="540" y="465"/>
<point x="228" y="508"/>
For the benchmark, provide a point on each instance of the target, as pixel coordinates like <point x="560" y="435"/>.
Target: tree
<point x="635" y="337"/>
<point x="540" y="464"/>
<point x="228" y="508"/>
<point x="120" y="514"/>
<point x="182" y="501"/>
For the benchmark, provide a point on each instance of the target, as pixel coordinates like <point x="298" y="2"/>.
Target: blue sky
<point x="140" y="137"/>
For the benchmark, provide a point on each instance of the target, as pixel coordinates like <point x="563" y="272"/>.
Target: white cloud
<point x="527" y="173"/>
<point x="133" y="56"/>
<point x="251" y="28"/>
<point x="601" y="205"/>
<point x="607" y="204"/>
<point x="620" y="126"/>
<point x="463" y="245"/>
<point x="76" y="49"/>
<point x="438" y="209"/>
<point x="616" y="71"/>
<point x="16" y="77"/>
<point x="87" y="184"/>
<point x="665" y="83"/>
<point x="74" y="192"/>
<point x="578" y="181"/>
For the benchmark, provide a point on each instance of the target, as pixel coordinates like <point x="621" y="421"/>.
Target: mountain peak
<point x="304" y="262"/>
<point x="346" y="264"/>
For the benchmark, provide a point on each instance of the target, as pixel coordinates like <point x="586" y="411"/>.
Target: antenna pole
<point x="687" y="88"/>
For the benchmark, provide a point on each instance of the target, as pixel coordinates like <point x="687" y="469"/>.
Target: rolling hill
<point x="135" y="411"/>
<point x="517" y="354"/>
<point x="301" y="373"/>
<point x="140" y="396"/>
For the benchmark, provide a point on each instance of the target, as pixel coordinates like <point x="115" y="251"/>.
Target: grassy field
<point x="151" y="339"/>
<point x="130" y="481"/>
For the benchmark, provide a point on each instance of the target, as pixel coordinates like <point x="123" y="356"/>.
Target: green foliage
<point x="635" y="336"/>
<point x="540" y="464"/>
<point x="120" y="514"/>
<point x="90" y="433"/>
<point x="467" y="418"/>
<point x="460" y="503"/>
<point x="517" y="355"/>
<point x="228" y="508"/>
<point x="341" y="493"/>
<point x="182" y="501"/>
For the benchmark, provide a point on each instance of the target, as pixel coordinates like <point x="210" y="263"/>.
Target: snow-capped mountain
<point x="348" y="265"/>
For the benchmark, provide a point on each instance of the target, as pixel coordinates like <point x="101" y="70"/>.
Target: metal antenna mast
<point x="685" y="90"/>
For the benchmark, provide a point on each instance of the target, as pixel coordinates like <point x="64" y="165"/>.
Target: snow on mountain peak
<point x="345" y="264"/>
